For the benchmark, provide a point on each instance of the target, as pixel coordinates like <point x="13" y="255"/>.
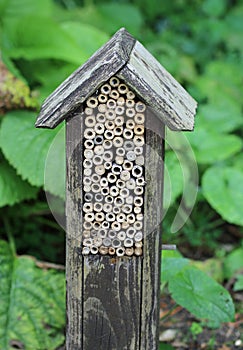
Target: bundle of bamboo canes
<point x="113" y="171"/>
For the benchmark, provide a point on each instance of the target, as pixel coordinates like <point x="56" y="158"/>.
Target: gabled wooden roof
<point x="126" y="58"/>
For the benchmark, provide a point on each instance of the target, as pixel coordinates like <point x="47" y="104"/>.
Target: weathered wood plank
<point x="150" y="283"/>
<point x="86" y="79"/>
<point x="166" y="97"/>
<point x="112" y="302"/>
<point x="74" y="261"/>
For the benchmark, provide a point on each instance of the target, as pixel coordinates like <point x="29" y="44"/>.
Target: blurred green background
<point x="200" y="43"/>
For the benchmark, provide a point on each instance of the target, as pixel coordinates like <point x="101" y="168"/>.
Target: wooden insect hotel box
<point x="116" y="107"/>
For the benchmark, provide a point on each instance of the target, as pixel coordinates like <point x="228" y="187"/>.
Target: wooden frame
<point x="113" y="302"/>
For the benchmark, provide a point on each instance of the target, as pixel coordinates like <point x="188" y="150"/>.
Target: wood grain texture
<point x="74" y="262"/>
<point x="153" y="212"/>
<point x="86" y="79"/>
<point x="113" y="303"/>
<point x="165" y="96"/>
<point x="140" y="70"/>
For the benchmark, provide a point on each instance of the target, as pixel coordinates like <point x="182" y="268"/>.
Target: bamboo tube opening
<point x="113" y="171"/>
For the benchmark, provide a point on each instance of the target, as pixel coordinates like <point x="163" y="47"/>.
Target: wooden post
<point x="113" y="291"/>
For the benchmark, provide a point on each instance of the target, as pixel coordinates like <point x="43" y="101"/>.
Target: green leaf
<point x="239" y="283"/>
<point x="55" y="166"/>
<point x="12" y="188"/>
<point x="172" y="263"/>
<point x="211" y="147"/>
<point x="223" y="117"/>
<point x="35" y="37"/>
<point x="233" y="262"/>
<point x="10" y="9"/>
<point x="223" y="189"/>
<point x="173" y="179"/>
<point x="86" y="36"/>
<point x="110" y="17"/>
<point x="202" y="296"/>
<point x="32" y="303"/>
<point x="26" y="147"/>
<point x="220" y="82"/>
<point x="121" y="15"/>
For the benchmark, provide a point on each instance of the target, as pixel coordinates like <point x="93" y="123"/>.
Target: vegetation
<point x="42" y="42"/>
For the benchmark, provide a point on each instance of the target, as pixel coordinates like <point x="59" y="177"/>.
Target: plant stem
<point x="169" y="312"/>
<point x="10" y="235"/>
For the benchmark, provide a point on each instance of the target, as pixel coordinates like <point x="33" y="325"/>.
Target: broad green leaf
<point x="32" y="303"/>
<point x="12" y="188"/>
<point x="110" y="17"/>
<point x="173" y="179"/>
<point x="220" y="82"/>
<point x="10" y="9"/>
<point x="223" y="189"/>
<point x="211" y="147"/>
<point x="237" y="162"/>
<point x="202" y="296"/>
<point x="55" y="166"/>
<point x="121" y="15"/>
<point x="171" y="265"/>
<point x="233" y="262"/>
<point x="26" y="147"/>
<point x="224" y="117"/>
<point x="86" y="36"/>
<point x="48" y="72"/>
<point x="212" y="267"/>
<point x="25" y="39"/>
<point x="239" y="283"/>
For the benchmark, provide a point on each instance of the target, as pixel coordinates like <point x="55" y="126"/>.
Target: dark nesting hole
<point x="116" y="169"/>
<point x="99" y="140"/>
<point x="106" y="89"/>
<point x="123" y="88"/>
<point x="119" y="200"/>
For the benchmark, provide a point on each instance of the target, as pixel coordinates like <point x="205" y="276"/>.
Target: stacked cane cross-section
<point x="113" y="171"/>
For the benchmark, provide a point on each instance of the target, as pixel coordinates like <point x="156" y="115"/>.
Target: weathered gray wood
<point x="74" y="261"/>
<point x="140" y="70"/>
<point x="166" y="97"/>
<point x="86" y="79"/>
<point x="112" y="302"/>
<point x="150" y="283"/>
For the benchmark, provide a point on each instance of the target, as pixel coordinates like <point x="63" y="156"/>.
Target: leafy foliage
<point x="32" y="303"/>
<point x="196" y="291"/>
<point x="12" y="188"/>
<point x="24" y="146"/>
<point x="223" y="188"/>
<point x="42" y="42"/>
